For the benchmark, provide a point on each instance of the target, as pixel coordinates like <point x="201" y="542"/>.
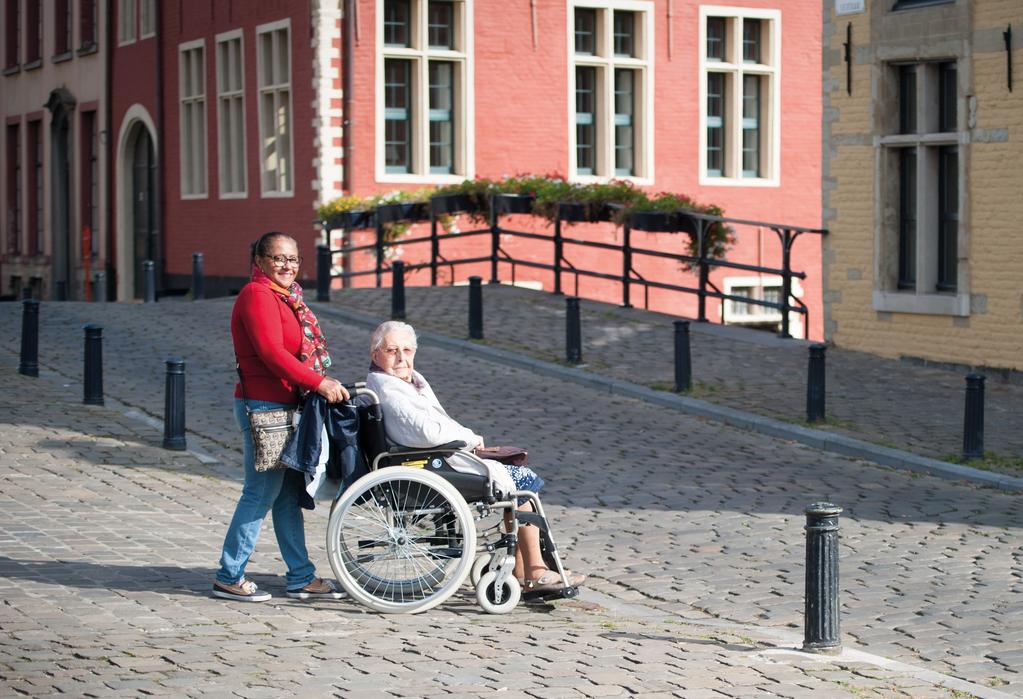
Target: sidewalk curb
<point x="818" y="439"/>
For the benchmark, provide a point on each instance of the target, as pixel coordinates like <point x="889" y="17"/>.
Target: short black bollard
<point x="573" y="331"/>
<point x="683" y="359"/>
<point x="148" y="282"/>
<point x="821" y="622"/>
<point x="973" y="418"/>
<point x="198" y="278"/>
<point x="99" y="287"/>
<point x="397" y="290"/>
<point x="475" y="308"/>
<point x="26" y="292"/>
<point x="92" y="393"/>
<point x="29" y="365"/>
<point x="174" y="406"/>
<point x="815" y="384"/>
<point x="322" y="273"/>
<point x="61" y="290"/>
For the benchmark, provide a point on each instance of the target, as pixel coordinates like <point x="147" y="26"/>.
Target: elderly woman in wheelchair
<point x="403" y="538"/>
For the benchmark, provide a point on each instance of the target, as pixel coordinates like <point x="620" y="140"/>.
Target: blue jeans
<point x="277" y="491"/>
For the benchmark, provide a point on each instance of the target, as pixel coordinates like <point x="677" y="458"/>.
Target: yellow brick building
<point x="923" y="179"/>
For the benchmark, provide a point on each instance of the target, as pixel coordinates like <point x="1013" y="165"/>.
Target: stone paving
<point x="691" y="531"/>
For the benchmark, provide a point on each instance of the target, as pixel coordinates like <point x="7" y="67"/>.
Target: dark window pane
<point x="751" y="40"/>
<point x="397" y="115"/>
<point x="751" y="126"/>
<point x="585" y="120"/>
<point x="442" y="97"/>
<point x="907" y="218"/>
<point x="716" y="124"/>
<point x="907" y="99"/>
<point x="441" y="28"/>
<point x="716" y="38"/>
<point x="585" y="31"/>
<point x="948" y="89"/>
<point x="625" y="109"/>
<point x="625" y="33"/>
<point x="948" y="218"/>
<point x="396" y="22"/>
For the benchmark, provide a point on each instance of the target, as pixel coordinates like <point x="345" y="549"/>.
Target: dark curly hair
<point x="262" y="246"/>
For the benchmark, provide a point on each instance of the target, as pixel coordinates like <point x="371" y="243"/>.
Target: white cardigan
<point x="413" y="417"/>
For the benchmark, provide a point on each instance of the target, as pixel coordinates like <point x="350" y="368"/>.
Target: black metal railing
<point x="696" y="224"/>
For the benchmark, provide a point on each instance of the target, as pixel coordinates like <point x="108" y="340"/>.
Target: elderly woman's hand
<point x="332" y="390"/>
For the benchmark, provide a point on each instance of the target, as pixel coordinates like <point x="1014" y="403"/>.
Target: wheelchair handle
<point x="358" y="388"/>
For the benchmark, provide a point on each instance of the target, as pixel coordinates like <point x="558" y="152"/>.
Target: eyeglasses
<point x="282" y="261"/>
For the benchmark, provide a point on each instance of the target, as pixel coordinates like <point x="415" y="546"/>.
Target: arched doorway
<point x="138" y="233"/>
<point x="61" y="105"/>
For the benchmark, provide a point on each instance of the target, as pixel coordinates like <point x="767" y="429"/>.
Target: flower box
<point x="451" y="204"/>
<point x="513" y="203"/>
<point x="351" y="219"/>
<point x="401" y="211"/>
<point x="574" y="211"/>
<point x="656" y="221"/>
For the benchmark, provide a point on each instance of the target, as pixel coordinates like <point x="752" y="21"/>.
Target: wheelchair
<point x="404" y="537"/>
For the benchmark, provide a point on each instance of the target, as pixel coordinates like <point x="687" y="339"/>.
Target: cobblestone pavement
<point x="108" y="542"/>
<point x="887" y="402"/>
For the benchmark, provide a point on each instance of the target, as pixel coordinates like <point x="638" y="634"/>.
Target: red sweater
<point x="267" y="338"/>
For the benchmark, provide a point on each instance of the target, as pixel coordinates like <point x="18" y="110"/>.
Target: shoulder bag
<point x="271" y="430"/>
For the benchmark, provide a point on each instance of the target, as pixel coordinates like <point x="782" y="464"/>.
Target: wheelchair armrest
<point x="450" y="446"/>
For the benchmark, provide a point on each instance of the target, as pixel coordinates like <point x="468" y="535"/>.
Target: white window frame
<point x="420" y="55"/>
<point x="262" y="90"/>
<point x="760" y="314"/>
<point x="924" y="298"/>
<point x="193" y="150"/>
<point x="127" y="22"/>
<point x="237" y="130"/>
<point x="605" y="62"/>
<point x="147" y="7"/>
<point x="770" y="155"/>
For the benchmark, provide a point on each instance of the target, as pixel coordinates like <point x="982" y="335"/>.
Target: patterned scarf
<point x="313" y="352"/>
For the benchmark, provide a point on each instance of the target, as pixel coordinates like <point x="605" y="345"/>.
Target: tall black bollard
<point x="973" y="418"/>
<point x="148" y="282"/>
<point x="815" y="384"/>
<point x="397" y="290"/>
<point x="821" y="622"/>
<point x="29" y="365"/>
<point x="322" y="273"/>
<point x="92" y="393"/>
<point x="683" y="359"/>
<point x="174" y="406"/>
<point x="573" y="331"/>
<point x="475" y="308"/>
<point x="198" y="277"/>
<point x="99" y="287"/>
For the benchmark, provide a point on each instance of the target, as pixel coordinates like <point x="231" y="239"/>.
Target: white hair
<point x="387" y="328"/>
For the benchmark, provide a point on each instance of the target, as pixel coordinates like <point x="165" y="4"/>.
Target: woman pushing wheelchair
<point x="414" y="417"/>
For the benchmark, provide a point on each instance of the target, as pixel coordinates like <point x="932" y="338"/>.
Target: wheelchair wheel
<point x="480" y="566"/>
<point x="495" y="601"/>
<point x="401" y="540"/>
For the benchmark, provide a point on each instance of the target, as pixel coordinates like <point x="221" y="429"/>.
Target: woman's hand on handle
<point x="332" y="390"/>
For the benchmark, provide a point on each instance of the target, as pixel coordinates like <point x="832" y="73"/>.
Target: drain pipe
<point x="111" y="262"/>
<point x="348" y="39"/>
<point x="161" y="165"/>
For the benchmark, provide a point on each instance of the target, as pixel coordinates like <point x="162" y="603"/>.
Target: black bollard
<point x="148" y="282"/>
<point x="683" y="359"/>
<point x="973" y="418"/>
<point x="198" y="278"/>
<point x="397" y="290"/>
<point x="322" y="273"/>
<point x="92" y="393"/>
<point x="475" y="308"/>
<point x="61" y="290"/>
<point x="29" y="365"/>
<point x="815" y="384"/>
<point x="99" y="287"/>
<point x="821" y="622"/>
<point x="174" y="406"/>
<point x="573" y="331"/>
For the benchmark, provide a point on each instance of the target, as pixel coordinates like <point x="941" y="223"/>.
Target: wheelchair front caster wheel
<point x="496" y="601"/>
<point x="480" y="566"/>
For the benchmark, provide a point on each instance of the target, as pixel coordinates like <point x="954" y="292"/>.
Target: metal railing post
<point x="815" y="384"/>
<point x="573" y="331"/>
<point x="704" y="270"/>
<point x="475" y="308"/>
<point x="380" y="253"/>
<point x="92" y="391"/>
<point x="786" y="282"/>
<point x="322" y="273"/>
<point x="198" y="277"/>
<point x="29" y="364"/>
<point x="973" y="418"/>
<point x="626" y="263"/>
<point x="495" y="241"/>
<point x="557" y="254"/>
<point x="397" y="290"/>
<point x="683" y="358"/>
<point x="149" y="281"/>
<point x="821" y="619"/>
<point x="434" y="248"/>
<point x="174" y="406"/>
